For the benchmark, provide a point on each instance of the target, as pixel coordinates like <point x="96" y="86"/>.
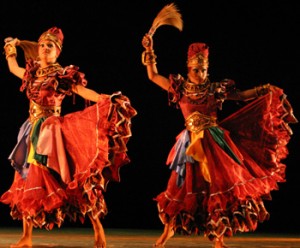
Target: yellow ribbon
<point x="195" y="150"/>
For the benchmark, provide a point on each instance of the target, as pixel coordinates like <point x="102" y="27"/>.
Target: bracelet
<point x="262" y="90"/>
<point x="10" y="50"/>
<point x="149" y="58"/>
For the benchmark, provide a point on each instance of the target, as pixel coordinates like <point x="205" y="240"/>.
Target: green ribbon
<point x="34" y="140"/>
<point x="218" y="136"/>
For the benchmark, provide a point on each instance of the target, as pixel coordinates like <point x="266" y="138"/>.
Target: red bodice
<point x="51" y="88"/>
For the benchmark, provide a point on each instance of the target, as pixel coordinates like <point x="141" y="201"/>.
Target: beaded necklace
<point x="196" y="93"/>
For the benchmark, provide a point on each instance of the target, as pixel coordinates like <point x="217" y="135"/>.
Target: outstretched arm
<point x="250" y="94"/>
<point x="11" y="57"/>
<point x="148" y="59"/>
<point x="86" y="93"/>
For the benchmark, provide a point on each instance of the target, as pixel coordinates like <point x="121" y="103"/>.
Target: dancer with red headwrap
<point x="222" y="172"/>
<point x="63" y="163"/>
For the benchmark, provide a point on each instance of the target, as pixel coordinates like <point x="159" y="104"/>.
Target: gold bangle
<point x="148" y="58"/>
<point x="10" y="50"/>
<point x="262" y="90"/>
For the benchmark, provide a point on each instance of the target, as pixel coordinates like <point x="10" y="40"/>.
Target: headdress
<point x="197" y="54"/>
<point x="53" y="34"/>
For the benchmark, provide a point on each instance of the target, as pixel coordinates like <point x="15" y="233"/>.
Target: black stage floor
<point x="131" y="238"/>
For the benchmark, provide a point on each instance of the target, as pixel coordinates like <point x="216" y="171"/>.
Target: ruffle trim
<point x="44" y="205"/>
<point x="243" y="216"/>
<point x="261" y="129"/>
<point x="88" y="185"/>
<point x="61" y="80"/>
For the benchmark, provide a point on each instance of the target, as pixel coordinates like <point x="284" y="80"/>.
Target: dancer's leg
<point x="166" y="235"/>
<point x="100" y="240"/>
<point x="26" y="239"/>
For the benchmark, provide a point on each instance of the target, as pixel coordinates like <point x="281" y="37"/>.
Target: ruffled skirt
<point x="79" y="154"/>
<point x="220" y="179"/>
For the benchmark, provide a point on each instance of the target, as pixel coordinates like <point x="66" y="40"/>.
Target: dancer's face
<point x="48" y="51"/>
<point x="198" y="74"/>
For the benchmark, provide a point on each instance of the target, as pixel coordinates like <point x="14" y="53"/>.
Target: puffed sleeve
<point x="68" y="77"/>
<point x="222" y="89"/>
<point x="30" y="70"/>
<point x="174" y="92"/>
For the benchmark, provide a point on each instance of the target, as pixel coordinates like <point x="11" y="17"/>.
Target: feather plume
<point x="169" y="15"/>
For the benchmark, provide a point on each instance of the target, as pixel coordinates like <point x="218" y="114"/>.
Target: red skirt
<point x="85" y="150"/>
<point x="232" y="201"/>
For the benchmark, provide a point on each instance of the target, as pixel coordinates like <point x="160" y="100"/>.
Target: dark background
<point x="252" y="42"/>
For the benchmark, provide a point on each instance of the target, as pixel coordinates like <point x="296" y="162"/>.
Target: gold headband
<point x="51" y="37"/>
<point x="197" y="59"/>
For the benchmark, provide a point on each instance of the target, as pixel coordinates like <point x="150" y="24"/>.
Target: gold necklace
<point x="195" y="89"/>
<point x="41" y="72"/>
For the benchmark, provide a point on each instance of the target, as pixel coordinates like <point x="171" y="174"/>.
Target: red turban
<point x="54" y="34"/>
<point x="198" y="54"/>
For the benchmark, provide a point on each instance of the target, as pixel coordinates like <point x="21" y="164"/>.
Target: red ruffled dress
<point x="222" y="173"/>
<point x="64" y="162"/>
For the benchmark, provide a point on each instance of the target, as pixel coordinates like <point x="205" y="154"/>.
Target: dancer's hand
<point x="147" y="42"/>
<point x="11" y="41"/>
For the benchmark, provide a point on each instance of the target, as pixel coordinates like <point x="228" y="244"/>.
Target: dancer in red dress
<point x="222" y="172"/>
<point x="63" y="163"/>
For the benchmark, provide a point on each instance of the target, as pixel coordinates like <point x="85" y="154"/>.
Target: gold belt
<point x="37" y="111"/>
<point x="196" y="122"/>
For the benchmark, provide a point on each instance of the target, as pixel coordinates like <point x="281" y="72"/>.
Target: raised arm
<point x="149" y="60"/>
<point x="11" y="57"/>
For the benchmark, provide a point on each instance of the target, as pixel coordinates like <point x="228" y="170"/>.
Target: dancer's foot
<point x="23" y="242"/>
<point x="219" y="243"/>
<point x="167" y="234"/>
<point x="100" y="241"/>
<point x="99" y="244"/>
<point x="99" y="234"/>
<point x="220" y="246"/>
<point x="157" y="245"/>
